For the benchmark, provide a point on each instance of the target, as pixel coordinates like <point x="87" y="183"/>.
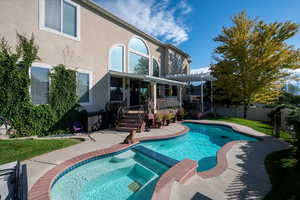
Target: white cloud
<point x="157" y="18"/>
<point x="200" y="70"/>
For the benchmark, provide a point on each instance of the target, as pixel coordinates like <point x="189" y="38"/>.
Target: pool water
<point x="201" y="144"/>
<point x="132" y="174"/>
<point x="128" y="175"/>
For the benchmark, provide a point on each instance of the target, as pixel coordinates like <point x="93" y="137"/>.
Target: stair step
<point x="126" y="120"/>
<point x="125" y="129"/>
<point x="130" y="116"/>
<point x="131" y="125"/>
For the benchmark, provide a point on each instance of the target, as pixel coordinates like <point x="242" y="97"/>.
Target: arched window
<point x="155" y="67"/>
<point x="138" y="57"/>
<point x="116" y="58"/>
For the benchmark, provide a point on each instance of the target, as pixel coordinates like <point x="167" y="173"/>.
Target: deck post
<point x="153" y="95"/>
<point x="179" y="92"/>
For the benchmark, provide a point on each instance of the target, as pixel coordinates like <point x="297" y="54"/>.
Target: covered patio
<point x="197" y="77"/>
<point x="135" y="89"/>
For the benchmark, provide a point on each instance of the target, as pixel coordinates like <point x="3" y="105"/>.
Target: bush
<point x="294" y="120"/>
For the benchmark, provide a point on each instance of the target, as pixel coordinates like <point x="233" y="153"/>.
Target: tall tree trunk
<point x="245" y="111"/>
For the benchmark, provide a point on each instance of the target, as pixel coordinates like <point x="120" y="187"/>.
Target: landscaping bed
<point x="12" y="150"/>
<point x="284" y="175"/>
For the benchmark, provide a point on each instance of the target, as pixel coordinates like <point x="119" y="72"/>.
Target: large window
<point x="61" y="16"/>
<point x="138" y="57"/>
<point x="155" y="68"/>
<point x="117" y="58"/>
<point x="83" y="87"/>
<point x="138" y="64"/>
<point x="116" y="89"/>
<point x="39" y="85"/>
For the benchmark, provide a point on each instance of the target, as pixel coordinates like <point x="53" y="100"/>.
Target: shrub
<point x="294" y="120"/>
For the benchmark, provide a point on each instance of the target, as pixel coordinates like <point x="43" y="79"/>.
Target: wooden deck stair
<point x="130" y="121"/>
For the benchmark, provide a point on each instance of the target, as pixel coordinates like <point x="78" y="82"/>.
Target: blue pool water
<point x="132" y="176"/>
<point x="201" y="144"/>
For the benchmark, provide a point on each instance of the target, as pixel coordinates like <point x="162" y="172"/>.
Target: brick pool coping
<point x="181" y="172"/>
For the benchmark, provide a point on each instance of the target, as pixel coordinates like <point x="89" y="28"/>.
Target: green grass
<point x="256" y="125"/>
<point x="284" y="176"/>
<point x="12" y="150"/>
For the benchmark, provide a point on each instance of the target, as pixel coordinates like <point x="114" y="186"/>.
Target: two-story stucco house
<point x="115" y="61"/>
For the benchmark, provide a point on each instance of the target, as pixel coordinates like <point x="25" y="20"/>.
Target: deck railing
<point x="167" y="102"/>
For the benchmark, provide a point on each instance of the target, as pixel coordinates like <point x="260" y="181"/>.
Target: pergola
<point x="195" y="77"/>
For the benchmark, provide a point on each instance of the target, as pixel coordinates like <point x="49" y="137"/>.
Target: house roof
<point x="98" y="9"/>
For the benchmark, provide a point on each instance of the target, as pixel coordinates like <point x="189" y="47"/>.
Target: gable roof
<point x="98" y="9"/>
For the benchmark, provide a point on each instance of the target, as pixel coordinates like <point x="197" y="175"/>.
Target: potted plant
<point x="181" y="114"/>
<point x="158" y="120"/>
<point x="166" y="120"/>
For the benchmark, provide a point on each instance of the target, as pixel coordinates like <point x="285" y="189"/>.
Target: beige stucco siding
<point x="97" y="35"/>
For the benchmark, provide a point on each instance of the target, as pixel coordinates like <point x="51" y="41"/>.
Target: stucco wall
<point x="98" y="34"/>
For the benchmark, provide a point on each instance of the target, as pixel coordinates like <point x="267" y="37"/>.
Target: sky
<point x="191" y="25"/>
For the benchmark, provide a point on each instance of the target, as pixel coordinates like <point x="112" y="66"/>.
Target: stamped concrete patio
<point x="244" y="178"/>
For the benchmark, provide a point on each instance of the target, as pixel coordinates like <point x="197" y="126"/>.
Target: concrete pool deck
<point x="243" y="178"/>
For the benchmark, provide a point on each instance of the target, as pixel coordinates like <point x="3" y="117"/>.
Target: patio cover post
<point x="180" y="96"/>
<point x="153" y="95"/>
<point x="202" y="108"/>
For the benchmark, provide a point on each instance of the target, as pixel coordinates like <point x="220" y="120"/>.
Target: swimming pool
<point x="201" y="144"/>
<point x="128" y="175"/>
<point x="132" y="174"/>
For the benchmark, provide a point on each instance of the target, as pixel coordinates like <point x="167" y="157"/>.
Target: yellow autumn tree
<point x="251" y="59"/>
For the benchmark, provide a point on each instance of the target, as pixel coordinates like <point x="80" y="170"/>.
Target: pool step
<point x="156" y="156"/>
<point x="123" y="157"/>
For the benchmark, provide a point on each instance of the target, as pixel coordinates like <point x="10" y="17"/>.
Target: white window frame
<point x="139" y="53"/>
<point x="39" y="65"/>
<point x="90" y="86"/>
<point x="159" y="66"/>
<point x="42" y="20"/>
<point x="124" y="56"/>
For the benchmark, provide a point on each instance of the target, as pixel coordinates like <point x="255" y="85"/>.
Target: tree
<point x="252" y="58"/>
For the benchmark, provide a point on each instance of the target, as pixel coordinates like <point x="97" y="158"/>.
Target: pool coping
<point x="41" y="189"/>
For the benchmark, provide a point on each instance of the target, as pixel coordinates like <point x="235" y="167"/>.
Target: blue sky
<point x="192" y="24"/>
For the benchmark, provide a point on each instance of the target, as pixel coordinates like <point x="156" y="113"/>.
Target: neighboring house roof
<point x="98" y="9"/>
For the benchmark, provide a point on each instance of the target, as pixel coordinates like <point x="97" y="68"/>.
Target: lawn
<point x="256" y="125"/>
<point x="12" y="150"/>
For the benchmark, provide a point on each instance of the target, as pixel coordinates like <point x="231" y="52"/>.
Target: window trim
<point x="159" y="66"/>
<point x="90" y="73"/>
<point x="42" y="20"/>
<point x="124" y="56"/>
<point x="139" y="53"/>
<point x="44" y="66"/>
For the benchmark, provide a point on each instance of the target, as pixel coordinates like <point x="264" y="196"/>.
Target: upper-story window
<point x="116" y="58"/>
<point x="138" y="57"/>
<point x="155" y="67"/>
<point x="61" y="17"/>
